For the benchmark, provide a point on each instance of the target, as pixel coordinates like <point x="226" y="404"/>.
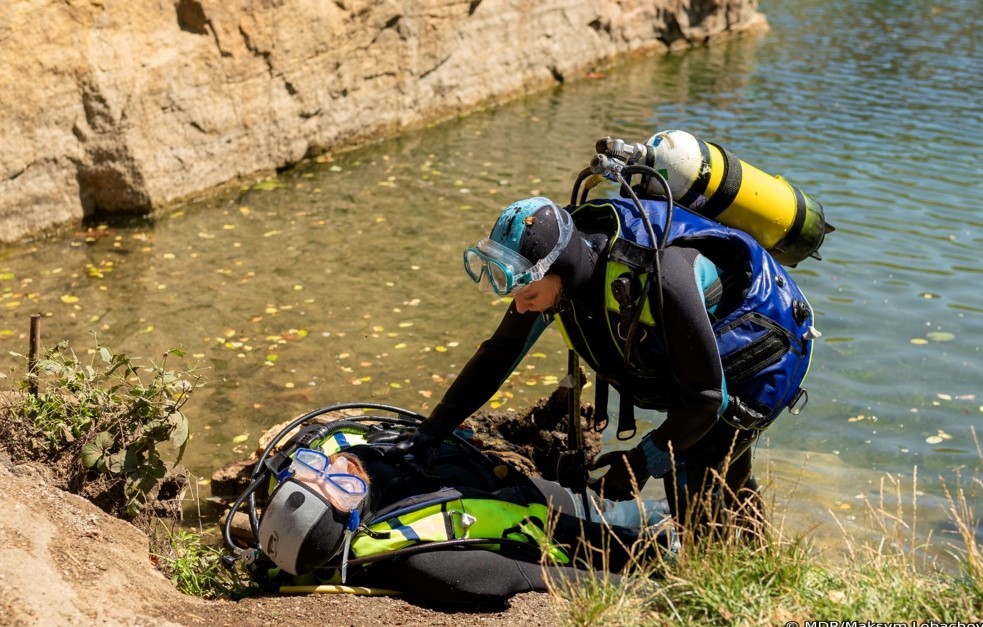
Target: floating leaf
<point x="239" y="439"/>
<point x="403" y="325"/>
<point x="945" y="397"/>
<point x="933" y="439"/>
<point x="855" y="418"/>
<point x="440" y="349"/>
<point x="268" y="185"/>
<point x="69" y="299"/>
<point x="400" y="345"/>
<point x="940" y="336"/>
<point x="919" y="341"/>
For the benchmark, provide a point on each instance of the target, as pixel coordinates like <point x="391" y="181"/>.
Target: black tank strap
<point x="602" y="390"/>
<point x="729" y="186"/>
<point x="626" y="416"/>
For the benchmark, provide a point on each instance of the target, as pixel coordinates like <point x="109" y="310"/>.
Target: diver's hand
<point x="414" y="443"/>
<point x="616" y="483"/>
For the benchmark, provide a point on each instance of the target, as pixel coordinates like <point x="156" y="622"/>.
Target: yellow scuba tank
<point x="709" y="180"/>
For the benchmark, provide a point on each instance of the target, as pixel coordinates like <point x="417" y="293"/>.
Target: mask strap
<point x="353" y="521"/>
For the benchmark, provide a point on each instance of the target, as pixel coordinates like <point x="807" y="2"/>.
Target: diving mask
<point x="496" y="267"/>
<point x="343" y="489"/>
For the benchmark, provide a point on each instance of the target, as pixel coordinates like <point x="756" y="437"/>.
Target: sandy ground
<point x="65" y="562"/>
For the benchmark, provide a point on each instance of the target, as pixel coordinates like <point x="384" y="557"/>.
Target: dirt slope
<point x="65" y="562"/>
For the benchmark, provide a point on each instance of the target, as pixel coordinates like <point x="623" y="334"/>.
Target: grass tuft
<point x="763" y="576"/>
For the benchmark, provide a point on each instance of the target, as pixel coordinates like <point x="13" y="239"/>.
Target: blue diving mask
<point x="496" y="267"/>
<point x="333" y="479"/>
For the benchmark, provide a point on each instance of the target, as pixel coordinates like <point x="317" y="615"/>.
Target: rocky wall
<point x="128" y="106"/>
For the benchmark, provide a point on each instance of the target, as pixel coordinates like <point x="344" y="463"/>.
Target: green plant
<point x="111" y="413"/>
<point x="193" y="566"/>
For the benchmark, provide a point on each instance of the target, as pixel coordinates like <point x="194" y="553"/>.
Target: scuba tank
<point x="711" y="182"/>
<point x="707" y="179"/>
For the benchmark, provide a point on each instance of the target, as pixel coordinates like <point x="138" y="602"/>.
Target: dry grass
<point x="738" y="575"/>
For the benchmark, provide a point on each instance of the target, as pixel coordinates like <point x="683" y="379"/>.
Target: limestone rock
<point x="129" y="106"/>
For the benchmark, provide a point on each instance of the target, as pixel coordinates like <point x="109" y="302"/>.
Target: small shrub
<point x="194" y="567"/>
<point x="106" y="417"/>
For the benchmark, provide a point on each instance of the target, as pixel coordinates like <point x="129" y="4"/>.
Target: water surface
<point x="341" y="279"/>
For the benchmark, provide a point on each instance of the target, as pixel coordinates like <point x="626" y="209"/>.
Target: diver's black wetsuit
<point x="469" y="574"/>
<point x="689" y="386"/>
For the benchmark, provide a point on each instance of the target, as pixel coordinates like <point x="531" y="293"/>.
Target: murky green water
<point x="341" y="280"/>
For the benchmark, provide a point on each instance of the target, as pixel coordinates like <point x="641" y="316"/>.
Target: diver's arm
<point x="485" y="372"/>
<point x="694" y="360"/>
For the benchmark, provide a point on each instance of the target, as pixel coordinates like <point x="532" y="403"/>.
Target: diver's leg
<point x="473" y="576"/>
<point x="634" y="514"/>
<point x="711" y="475"/>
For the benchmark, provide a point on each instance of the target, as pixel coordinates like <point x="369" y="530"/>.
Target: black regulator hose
<point x="657" y="264"/>
<point x="262" y="473"/>
<point x="615" y="166"/>
<point x="583" y="176"/>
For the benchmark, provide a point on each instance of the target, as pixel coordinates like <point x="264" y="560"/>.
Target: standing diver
<point x="676" y="311"/>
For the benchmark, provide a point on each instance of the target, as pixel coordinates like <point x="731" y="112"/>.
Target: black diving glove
<point x="648" y="459"/>
<point x="619" y="483"/>
<point x="416" y="444"/>
<point x="423" y="441"/>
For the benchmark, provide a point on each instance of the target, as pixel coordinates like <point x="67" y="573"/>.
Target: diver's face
<point x="538" y="296"/>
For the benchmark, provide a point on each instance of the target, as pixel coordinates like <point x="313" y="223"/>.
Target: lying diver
<point x="464" y="527"/>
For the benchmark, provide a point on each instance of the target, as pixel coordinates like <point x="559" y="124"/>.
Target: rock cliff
<point x="129" y="106"/>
